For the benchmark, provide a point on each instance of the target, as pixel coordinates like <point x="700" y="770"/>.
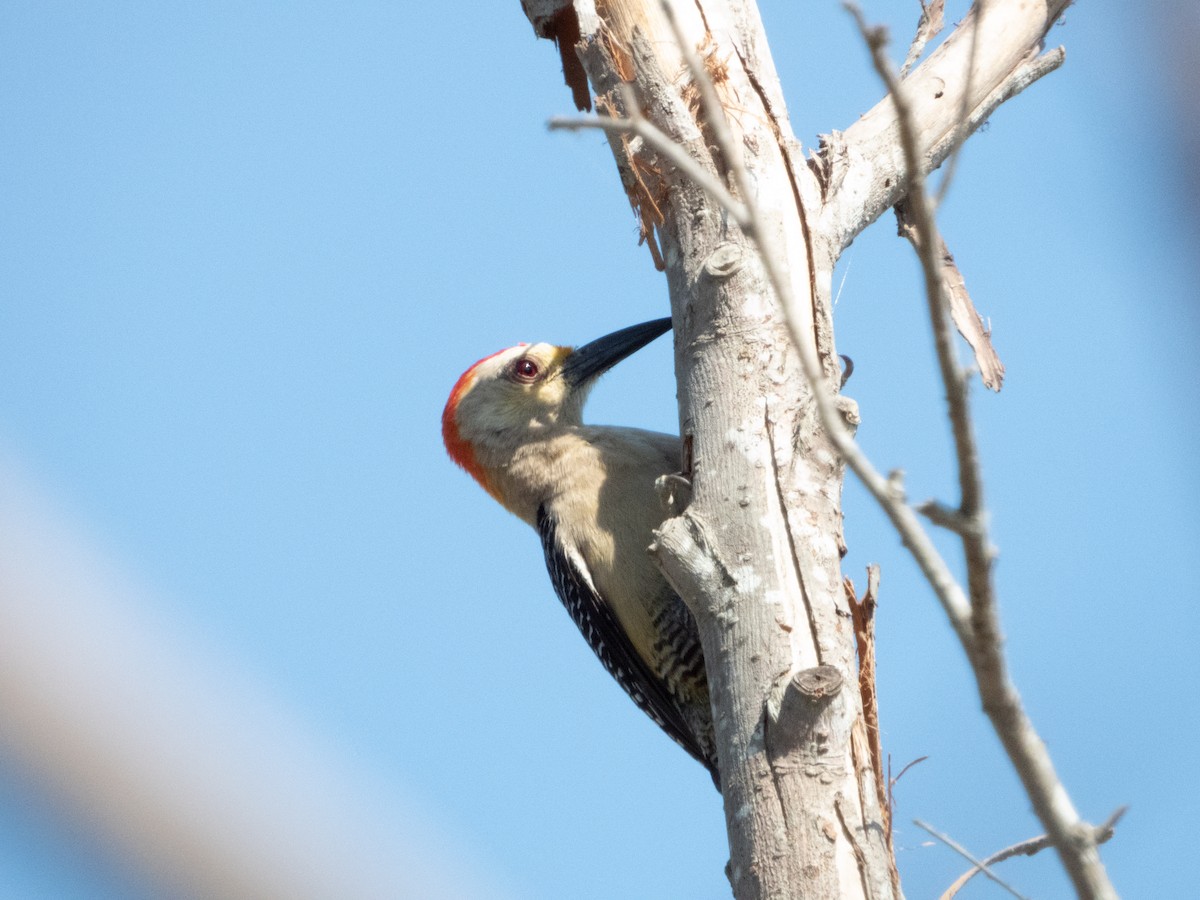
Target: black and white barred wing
<point x="606" y="637"/>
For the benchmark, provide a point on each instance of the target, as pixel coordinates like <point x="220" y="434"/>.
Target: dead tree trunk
<point x="756" y="552"/>
<point x="756" y="544"/>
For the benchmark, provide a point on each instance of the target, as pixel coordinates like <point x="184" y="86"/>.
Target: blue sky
<point x="246" y="250"/>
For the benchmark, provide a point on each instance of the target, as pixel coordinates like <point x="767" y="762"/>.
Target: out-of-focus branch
<point x="964" y="107"/>
<point x="1074" y="839"/>
<point x="177" y="763"/>
<point x="633" y="122"/>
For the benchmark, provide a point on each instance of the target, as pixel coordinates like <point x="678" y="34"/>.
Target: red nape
<point x="457" y="446"/>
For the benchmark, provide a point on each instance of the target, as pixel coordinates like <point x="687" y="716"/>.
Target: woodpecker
<point x="514" y="422"/>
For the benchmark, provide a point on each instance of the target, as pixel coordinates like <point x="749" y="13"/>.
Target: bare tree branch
<point x="1026" y="73"/>
<point x="863" y="171"/>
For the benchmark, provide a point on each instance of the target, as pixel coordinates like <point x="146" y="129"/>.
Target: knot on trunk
<point x="803" y="720"/>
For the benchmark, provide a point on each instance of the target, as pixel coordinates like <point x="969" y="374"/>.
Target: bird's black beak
<point x="594" y="359"/>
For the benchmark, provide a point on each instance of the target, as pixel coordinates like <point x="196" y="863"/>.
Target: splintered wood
<point x="863" y="613"/>
<point x="962" y="310"/>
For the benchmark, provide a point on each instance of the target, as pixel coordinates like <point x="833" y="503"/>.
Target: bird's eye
<point x="526" y="370"/>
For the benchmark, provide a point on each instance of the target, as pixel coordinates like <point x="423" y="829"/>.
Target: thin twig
<point x="894" y="781"/>
<point x="891" y="789"/>
<point x="842" y="284"/>
<point x="979" y="864"/>
<point x="715" y="116"/>
<point x="964" y="109"/>
<point x="1104" y="833"/>
<point x="637" y="124"/>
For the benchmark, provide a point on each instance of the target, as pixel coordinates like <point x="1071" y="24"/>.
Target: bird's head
<point x="502" y="401"/>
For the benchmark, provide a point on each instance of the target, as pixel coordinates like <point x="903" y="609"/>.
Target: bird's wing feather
<point x="608" y="640"/>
